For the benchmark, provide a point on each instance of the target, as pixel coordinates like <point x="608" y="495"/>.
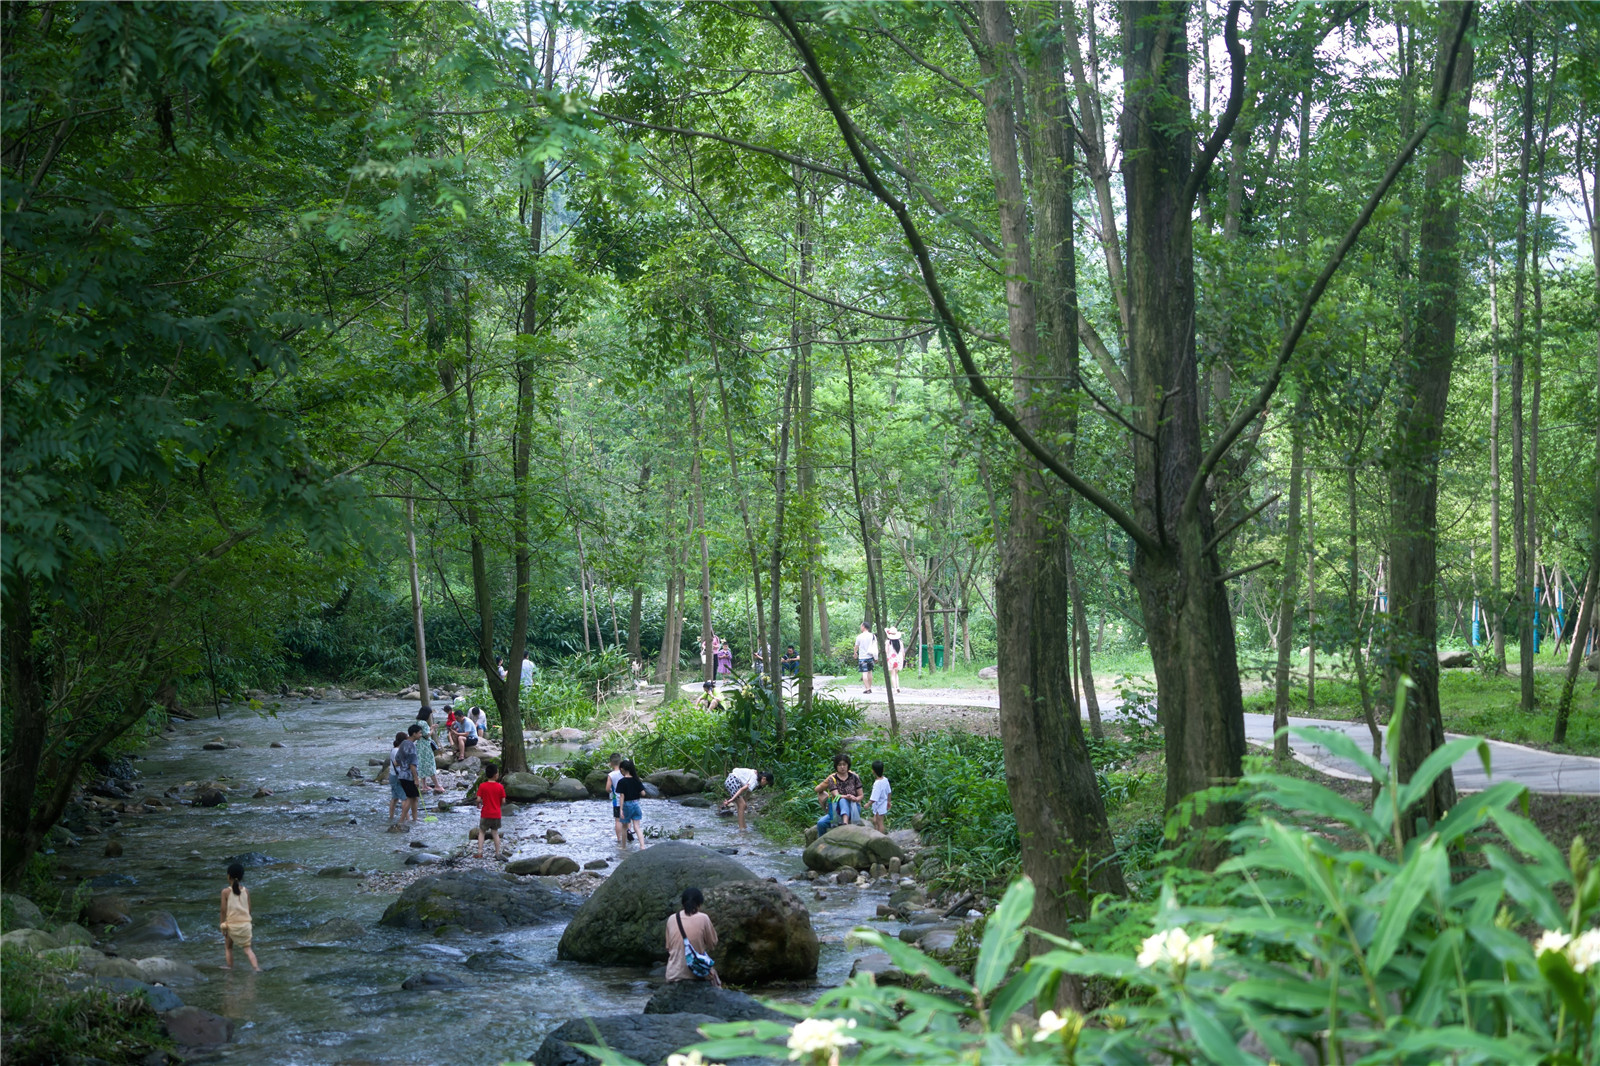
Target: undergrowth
<point x="45" y="1022"/>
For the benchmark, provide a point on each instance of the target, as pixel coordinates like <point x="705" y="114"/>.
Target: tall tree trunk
<point x="1289" y="589"/>
<point x="1188" y="622"/>
<point x="805" y="477"/>
<point x="1357" y="657"/>
<point x="773" y="652"/>
<point x="738" y="483"/>
<point x="583" y="594"/>
<point x="635" y="608"/>
<point x="418" y="629"/>
<point x="675" y="624"/>
<point x="1080" y="625"/>
<point x="669" y="615"/>
<point x="709" y="659"/>
<point x="822" y="617"/>
<point x="1424" y="385"/>
<point x="874" y="605"/>
<point x="20" y="830"/>
<point x="1311" y="600"/>
<point x="1066" y="841"/>
<point x="1497" y="613"/>
<point x="1520" y="492"/>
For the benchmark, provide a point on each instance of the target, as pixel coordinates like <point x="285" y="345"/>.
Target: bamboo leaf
<point x="1002" y="936"/>
<point x="1438" y="761"/>
<point x="1405" y="893"/>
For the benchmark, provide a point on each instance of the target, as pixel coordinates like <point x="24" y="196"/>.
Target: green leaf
<point x="1406" y="890"/>
<point x="1559" y="975"/>
<point x="1438" y="761"/>
<point x="1309" y="797"/>
<point x="1002" y="936"/>
<point x="1343" y="746"/>
<point x="1471" y="809"/>
<point x="1528" y="839"/>
<point x="1521" y="886"/>
<point x="1016" y="993"/>
<point x="1213" y="1037"/>
<point x="913" y="962"/>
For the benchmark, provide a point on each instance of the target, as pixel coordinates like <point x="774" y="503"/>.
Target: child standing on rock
<point x="880" y="798"/>
<point x="491" y="794"/>
<point x="236" y="924"/>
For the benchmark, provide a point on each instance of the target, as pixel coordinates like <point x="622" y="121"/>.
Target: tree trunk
<point x="1497" y="613"/>
<point x="773" y="652"/>
<point x="635" y="651"/>
<point x="20" y="832"/>
<point x="1187" y="618"/>
<point x="865" y="521"/>
<point x="669" y="619"/>
<point x="822" y="618"/>
<point x="674" y="676"/>
<point x="1521" y="524"/>
<point x="1424" y="385"/>
<point x="738" y="484"/>
<point x="1080" y="626"/>
<point x="583" y="595"/>
<point x="708" y="664"/>
<point x="418" y="630"/>
<point x="1289" y="589"/>
<point x="1066" y="842"/>
<point x="1311" y="601"/>
<point x="1357" y="658"/>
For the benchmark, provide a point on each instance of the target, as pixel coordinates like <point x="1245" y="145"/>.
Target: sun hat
<point x="892" y="633"/>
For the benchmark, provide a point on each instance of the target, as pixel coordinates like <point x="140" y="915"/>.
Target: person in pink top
<point x="694" y="925"/>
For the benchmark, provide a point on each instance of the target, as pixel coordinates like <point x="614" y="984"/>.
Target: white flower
<point x="820" y="1035"/>
<point x="1550" y="940"/>
<point x="1174" y="948"/>
<point x="1585" y="951"/>
<point x="1050" y="1023"/>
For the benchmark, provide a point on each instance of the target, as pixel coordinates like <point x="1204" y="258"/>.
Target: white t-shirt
<point x="880" y="796"/>
<point x="744" y="776"/>
<point x="527" y="671"/>
<point x="866" y="646"/>
<point x="480" y="719"/>
<point x="611" y="786"/>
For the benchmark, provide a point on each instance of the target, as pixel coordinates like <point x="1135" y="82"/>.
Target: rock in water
<point x="622" y="922"/>
<point x="334" y="930"/>
<point x="568" y="789"/>
<point x="676" y="782"/>
<point x="699" y="997"/>
<point x="113" y="849"/>
<point x="214" y="745"/>
<point x="696" y="801"/>
<point x="193" y="1027"/>
<point x="596" y="864"/>
<point x="552" y="837"/>
<point x="880" y="966"/>
<point x="339" y="871"/>
<point x="595" y="782"/>
<point x="763" y="932"/>
<point x="211" y="797"/>
<point x="168" y="972"/>
<point x="478" y="900"/>
<point x="105" y="910"/>
<point x="431" y="981"/>
<point x="423" y="858"/>
<point x="158" y="925"/>
<point x="525" y="788"/>
<point x="250" y="859"/>
<point x="858" y="846"/>
<point x="542" y="866"/>
<point x="647" y="1038"/>
<point x="846" y="876"/>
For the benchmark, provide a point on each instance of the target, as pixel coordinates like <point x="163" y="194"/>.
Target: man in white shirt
<point x="527" y="671"/>
<point x="866" y="655"/>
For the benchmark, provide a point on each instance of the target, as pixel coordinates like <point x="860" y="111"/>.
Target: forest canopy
<point x="1237" y="338"/>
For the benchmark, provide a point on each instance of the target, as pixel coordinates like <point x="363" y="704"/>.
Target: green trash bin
<point x="937" y="652"/>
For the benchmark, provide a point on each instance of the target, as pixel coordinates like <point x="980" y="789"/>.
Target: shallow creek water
<point x="342" y="1003"/>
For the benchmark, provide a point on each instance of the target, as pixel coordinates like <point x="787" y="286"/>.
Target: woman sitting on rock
<point x="693" y="926"/>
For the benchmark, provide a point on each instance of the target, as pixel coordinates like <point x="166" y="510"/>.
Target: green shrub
<point x="1340" y="942"/>
<point x="45" y="1023"/>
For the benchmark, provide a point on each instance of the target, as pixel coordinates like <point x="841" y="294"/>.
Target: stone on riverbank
<point x="676" y="782"/>
<point x="646" y="1038"/>
<point x="525" y="788"/>
<point x="542" y="866"/>
<point x="21" y="912"/>
<point x="153" y="927"/>
<point x="477" y="900"/>
<point x="168" y="971"/>
<point x="568" y="790"/>
<point x="29" y="940"/>
<point x="699" y="997"/>
<point x="622" y="922"/>
<point x="857" y="846"/>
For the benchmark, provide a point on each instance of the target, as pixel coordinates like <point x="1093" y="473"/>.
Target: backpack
<point x="699" y="963"/>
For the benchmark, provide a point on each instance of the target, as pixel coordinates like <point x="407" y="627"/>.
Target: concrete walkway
<point x="1542" y="771"/>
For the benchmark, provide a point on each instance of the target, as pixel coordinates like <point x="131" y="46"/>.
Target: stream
<point x="342" y="1003"/>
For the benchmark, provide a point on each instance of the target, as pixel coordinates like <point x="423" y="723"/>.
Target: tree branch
<point x="1230" y="114"/>
<point x="919" y="250"/>
<point x="1291" y="339"/>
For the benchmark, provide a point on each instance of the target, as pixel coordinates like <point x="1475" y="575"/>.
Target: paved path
<point x="1541" y="771"/>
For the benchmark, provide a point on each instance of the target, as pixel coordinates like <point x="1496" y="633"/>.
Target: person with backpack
<point x="690" y="940"/>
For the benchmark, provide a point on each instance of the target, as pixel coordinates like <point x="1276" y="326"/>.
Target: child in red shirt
<point x="491" y="794"/>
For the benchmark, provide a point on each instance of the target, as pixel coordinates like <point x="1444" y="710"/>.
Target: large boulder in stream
<point x="151" y="929"/>
<point x="857" y="846"/>
<point x="764" y="930"/>
<point x="646" y="1038"/>
<point x="676" y="782"/>
<point x="568" y="790"/>
<point x="525" y="788"/>
<point x="479" y="900"/>
<point x="595" y="782"/>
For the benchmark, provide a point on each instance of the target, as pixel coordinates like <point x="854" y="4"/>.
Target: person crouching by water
<point x="236" y="925"/>
<point x="693" y="926"/>
<point x="739" y="784"/>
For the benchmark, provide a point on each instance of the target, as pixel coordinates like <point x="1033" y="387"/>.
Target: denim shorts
<point x="632" y="812"/>
<point x="395" y="791"/>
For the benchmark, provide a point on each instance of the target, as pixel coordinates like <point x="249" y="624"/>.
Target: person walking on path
<point x="866" y="656"/>
<point x="690" y="928"/>
<point x="491" y="794"/>
<point x="237" y="928"/>
<point x="740" y="782"/>
<point x="896" y="656"/>
<point x="427" y="768"/>
<point x="631" y="789"/>
<point x="840" y="793"/>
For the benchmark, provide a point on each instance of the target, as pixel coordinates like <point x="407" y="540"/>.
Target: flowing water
<point x="342" y="1003"/>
